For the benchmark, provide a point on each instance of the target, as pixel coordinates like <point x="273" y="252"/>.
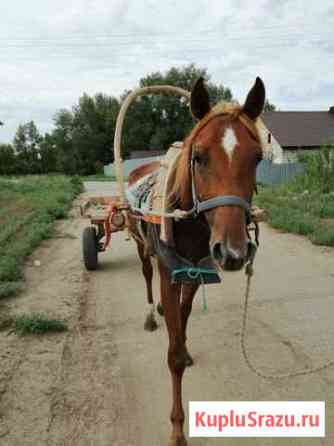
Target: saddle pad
<point x="165" y="175"/>
<point x="151" y="192"/>
<point x="161" y="193"/>
<point x="138" y="195"/>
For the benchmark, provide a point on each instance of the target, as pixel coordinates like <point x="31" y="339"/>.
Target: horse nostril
<point x="219" y="252"/>
<point x="232" y="259"/>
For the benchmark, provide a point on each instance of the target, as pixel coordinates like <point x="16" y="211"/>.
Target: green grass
<point x="28" y="207"/>
<point x="101" y="177"/>
<point x="6" y="322"/>
<point x="37" y="324"/>
<point x="8" y="289"/>
<point x="98" y="177"/>
<point x="305" y="205"/>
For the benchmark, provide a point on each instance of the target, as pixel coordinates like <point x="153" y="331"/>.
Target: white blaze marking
<point x="229" y="141"/>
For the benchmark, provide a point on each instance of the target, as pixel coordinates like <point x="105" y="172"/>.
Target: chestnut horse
<point x="217" y="169"/>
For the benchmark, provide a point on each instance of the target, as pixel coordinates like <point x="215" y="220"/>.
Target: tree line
<point x="82" y="138"/>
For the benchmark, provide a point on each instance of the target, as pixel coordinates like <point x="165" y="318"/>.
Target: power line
<point x="141" y="38"/>
<point x="188" y="49"/>
<point x="135" y="34"/>
<point x="188" y="46"/>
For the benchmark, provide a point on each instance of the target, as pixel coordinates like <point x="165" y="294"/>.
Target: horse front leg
<point x="177" y="354"/>
<point x="187" y="297"/>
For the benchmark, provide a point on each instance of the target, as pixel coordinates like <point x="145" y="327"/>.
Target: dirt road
<point x="106" y="382"/>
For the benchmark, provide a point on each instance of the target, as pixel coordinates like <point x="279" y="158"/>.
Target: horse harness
<point x="205" y="271"/>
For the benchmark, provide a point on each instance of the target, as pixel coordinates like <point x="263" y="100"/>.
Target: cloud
<point x="52" y="52"/>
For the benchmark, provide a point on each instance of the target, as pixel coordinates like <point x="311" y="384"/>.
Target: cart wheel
<point x="90" y="248"/>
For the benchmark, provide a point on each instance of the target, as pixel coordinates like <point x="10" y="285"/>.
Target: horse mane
<point x="180" y="193"/>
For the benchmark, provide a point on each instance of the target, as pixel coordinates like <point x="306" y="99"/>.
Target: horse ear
<point x="255" y="100"/>
<point x="199" y="100"/>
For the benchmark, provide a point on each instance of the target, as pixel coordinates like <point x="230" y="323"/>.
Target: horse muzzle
<point x="231" y="259"/>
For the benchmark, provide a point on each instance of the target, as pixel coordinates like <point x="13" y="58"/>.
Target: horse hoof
<point x="181" y="441"/>
<point x="189" y="360"/>
<point x="160" y="309"/>
<point x="150" y="323"/>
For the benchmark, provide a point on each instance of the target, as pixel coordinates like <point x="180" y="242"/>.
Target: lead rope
<point x="249" y="273"/>
<point x="204" y="296"/>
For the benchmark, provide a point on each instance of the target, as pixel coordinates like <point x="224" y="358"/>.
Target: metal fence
<point x="267" y="173"/>
<point x="129" y="165"/>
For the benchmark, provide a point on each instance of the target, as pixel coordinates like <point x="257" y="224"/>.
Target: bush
<point x="319" y="172"/>
<point x="306" y="204"/>
<point x="37" y="324"/>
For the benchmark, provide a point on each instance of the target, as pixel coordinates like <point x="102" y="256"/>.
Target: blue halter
<point x="219" y="200"/>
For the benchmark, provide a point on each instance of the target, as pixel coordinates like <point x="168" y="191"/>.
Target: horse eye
<point x="199" y="159"/>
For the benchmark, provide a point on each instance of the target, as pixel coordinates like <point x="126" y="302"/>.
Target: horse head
<point x="217" y="173"/>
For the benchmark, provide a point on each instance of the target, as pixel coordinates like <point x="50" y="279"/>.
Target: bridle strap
<point x="214" y="202"/>
<point x="223" y="200"/>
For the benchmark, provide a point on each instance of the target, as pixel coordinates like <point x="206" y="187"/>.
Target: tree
<point x="48" y="154"/>
<point x="268" y="107"/>
<point x="94" y="127"/>
<point x="27" y="138"/>
<point x="62" y="136"/>
<point x="82" y="139"/>
<point x="7" y="160"/>
<point x="84" y="135"/>
<point x="26" y="145"/>
<point x="155" y="122"/>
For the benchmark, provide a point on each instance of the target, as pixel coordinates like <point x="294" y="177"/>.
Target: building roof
<point x="301" y="128"/>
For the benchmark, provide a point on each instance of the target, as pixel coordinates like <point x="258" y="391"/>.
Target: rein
<point x="193" y="272"/>
<point x="234" y="200"/>
<point x="249" y="273"/>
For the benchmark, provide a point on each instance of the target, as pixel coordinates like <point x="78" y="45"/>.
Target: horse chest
<point x="192" y="239"/>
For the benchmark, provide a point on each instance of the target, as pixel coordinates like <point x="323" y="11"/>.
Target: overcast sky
<point x="53" y="51"/>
